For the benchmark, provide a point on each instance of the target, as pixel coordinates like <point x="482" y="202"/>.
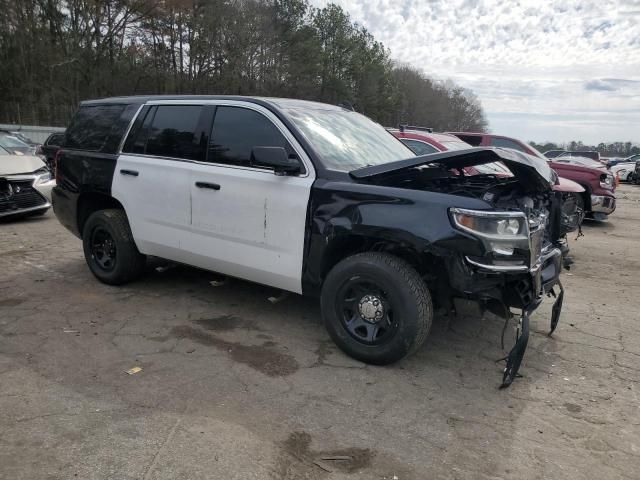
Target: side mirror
<point x="276" y="158"/>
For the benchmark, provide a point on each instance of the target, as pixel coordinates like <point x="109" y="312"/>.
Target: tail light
<point x="56" y="170"/>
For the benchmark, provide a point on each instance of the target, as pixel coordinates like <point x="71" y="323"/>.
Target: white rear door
<point x="153" y="176"/>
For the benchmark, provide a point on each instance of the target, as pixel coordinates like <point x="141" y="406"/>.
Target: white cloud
<point x="544" y="70"/>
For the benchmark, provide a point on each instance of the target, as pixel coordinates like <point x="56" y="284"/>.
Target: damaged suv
<point x="314" y="199"/>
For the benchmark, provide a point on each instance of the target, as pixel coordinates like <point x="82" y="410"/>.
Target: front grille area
<point x="536" y="243"/>
<point x="17" y="195"/>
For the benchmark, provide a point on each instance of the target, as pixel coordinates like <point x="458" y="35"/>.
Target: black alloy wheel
<point x="376" y="307"/>
<point x="103" y="249"/>
<point x="366" y="312"/>
<point x="109" y="247"/>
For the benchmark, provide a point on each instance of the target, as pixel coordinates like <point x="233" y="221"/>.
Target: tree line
<point x="55" y="53"/>
<point x="615" y="149"/>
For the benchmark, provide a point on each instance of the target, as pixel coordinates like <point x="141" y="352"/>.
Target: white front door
<point x="248" y="222"/>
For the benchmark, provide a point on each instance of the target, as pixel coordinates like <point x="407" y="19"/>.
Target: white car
<point x="25" y="185"/>
<point x="624" y="171"/>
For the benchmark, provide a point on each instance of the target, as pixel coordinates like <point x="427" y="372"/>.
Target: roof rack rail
<point x="415" y="127"/>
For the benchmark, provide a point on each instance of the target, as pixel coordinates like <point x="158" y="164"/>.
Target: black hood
<point x="522" y="165"/>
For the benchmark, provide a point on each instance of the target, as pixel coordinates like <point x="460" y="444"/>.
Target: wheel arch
<point x="346" y="245"/>
<point x="91" y="202"/>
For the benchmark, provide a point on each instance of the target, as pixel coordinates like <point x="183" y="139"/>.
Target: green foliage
<point x="57" y="52"/>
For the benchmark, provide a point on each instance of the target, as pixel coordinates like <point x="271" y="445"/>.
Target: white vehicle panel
<point x="253" y="227"/>
<point x="622" y="170"/>
<point x="156" y="201"/>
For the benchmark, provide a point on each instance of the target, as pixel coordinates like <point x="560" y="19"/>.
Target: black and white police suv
<point x="313" y="199"/>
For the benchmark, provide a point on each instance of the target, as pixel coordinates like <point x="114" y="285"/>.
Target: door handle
<point x="210" y="186"/>
<point x="132" y="173"/>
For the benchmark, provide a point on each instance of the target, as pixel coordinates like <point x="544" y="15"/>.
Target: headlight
<point x="44" y="175"/>
<point x="501" y="232"/>
<point x="607" y="180"/>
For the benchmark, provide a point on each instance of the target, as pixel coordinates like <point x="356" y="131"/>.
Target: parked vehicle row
<point x="598" y="198"/>
<point x="622" y="168"/>
<point x="423" y="142"/>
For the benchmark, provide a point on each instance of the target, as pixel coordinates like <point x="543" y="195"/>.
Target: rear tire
<point x="109" y="248"/>
<point x="376" y="307"/>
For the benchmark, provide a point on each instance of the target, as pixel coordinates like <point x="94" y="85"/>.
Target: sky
<point x="544" y="70"/>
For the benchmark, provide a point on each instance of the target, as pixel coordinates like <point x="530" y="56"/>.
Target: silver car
<point x="25" y="185"/>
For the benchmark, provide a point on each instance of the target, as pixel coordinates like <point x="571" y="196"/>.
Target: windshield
<point x="12" y="142"/>
<point x="346" y="140"/>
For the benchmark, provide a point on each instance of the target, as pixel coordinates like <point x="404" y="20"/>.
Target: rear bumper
<point x="65" y="208"/>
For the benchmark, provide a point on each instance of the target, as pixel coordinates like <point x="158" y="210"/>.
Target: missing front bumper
<point x="516" y="354"/>
<point x="525" y="289"/>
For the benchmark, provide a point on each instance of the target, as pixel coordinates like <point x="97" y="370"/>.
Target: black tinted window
<point x="237" y="130"/>
<point x="175" y="133"/>
<point x="473" y="140"/>
<point x="91" y="126"/>
<point x="418" y="147"/>
<point x="505" y="143"/>
<point x="137" y="139"/>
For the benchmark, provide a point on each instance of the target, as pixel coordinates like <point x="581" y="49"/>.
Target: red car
<point x="598" y="186"/>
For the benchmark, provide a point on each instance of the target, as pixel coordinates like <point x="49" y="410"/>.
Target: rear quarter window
<point x="473" y="140"/>
<point x="506" y="143"/>
<point x="93" y="126"/>
<point x="418" y="147"/>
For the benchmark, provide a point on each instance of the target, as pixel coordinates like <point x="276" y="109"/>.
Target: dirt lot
<point x="233" y="387"/>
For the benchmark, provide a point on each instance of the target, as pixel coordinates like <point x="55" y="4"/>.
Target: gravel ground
<point x="234" y="387"/>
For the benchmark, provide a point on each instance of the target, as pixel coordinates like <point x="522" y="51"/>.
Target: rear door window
<point x="418" y="147"/>
<point x="137" y="139"/>
<point x="92" y="126"/>
<point x="176" y="132"/>
<point x="506" y="143"/>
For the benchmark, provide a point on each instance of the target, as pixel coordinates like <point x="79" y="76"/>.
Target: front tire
<point x="376" y="307"/>
<point x="109" y="248"/>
